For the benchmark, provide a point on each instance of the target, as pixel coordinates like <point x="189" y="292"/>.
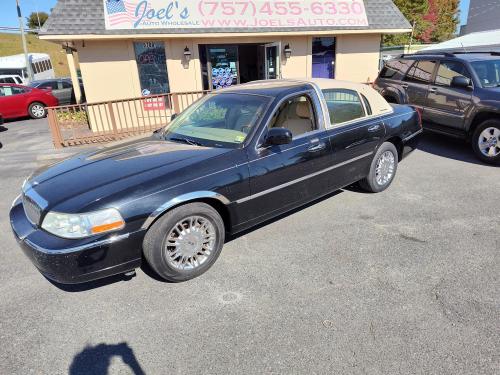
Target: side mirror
<point x="461" y="82"/>
<point x="173" y="116"/>
<point x="278" y="136"/>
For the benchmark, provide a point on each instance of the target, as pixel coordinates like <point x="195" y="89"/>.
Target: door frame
<point x="225" y="45"/>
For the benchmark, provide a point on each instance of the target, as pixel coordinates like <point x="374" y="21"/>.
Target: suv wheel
<point x="486" y="141"/>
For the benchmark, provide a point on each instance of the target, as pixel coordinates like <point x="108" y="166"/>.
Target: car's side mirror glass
<point x="461" y="82"/>
<point x="278" y="136"/>
<point x="173" y="117"/>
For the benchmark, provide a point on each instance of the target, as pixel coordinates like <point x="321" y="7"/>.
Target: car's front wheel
<point x="486" y="141"/>
<point x="382" y="169"/>
<point x="185" y="242"/>
<point x="37" y="110"/>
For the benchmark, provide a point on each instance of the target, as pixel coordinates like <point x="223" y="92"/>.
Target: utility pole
<point x="23" y="37"/>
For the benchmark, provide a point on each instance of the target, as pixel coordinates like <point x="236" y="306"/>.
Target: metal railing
<point x="101" y="122"/>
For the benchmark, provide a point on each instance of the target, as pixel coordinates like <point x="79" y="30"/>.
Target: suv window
<point x="449" y="69"/>
<point x="421" y="72"/>
<point x="395" y="69"/>
<point x="66" y="85"/>
<point x="343" y="105"/>
<point x="7" y="80"/>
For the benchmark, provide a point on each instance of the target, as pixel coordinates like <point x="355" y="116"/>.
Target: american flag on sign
<point x="120" y="11"/>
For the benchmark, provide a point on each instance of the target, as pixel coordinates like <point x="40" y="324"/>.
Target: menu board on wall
<point x="239" y="14"/>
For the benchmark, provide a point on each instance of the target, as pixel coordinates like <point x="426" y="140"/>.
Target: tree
<point x="414" y="11"/>
<point x="32" y="20"/>
<point x="435" y="20"/>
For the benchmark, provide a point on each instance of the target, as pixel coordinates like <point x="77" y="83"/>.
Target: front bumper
<point x="76" y="261"/>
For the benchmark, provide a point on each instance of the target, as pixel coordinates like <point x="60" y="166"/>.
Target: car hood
<point x="130" y="164"/>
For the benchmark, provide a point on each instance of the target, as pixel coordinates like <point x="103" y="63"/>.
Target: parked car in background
<point x="234" y="159"/>
<point x="20" y="101"/>
<point x="11" y="78"/>
<point x="62" y="89"/>
<point x="458" y="93"/>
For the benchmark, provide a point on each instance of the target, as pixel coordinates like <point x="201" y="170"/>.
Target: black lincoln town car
<point x="234" y="159"/>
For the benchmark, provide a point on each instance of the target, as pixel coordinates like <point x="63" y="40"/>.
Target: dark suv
<point x="458" y="94"/>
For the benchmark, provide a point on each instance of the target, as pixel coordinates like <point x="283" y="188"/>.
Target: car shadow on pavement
<point x="448" y="147"/>
<point x="96" y="360"/>
<point x="3" y="129"/>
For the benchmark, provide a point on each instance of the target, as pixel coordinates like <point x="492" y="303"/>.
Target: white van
<point x="16" y="65"/>
<point x="11" y="78"/>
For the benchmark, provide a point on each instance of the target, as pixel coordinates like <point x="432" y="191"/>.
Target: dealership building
<point x="129" y="49"/>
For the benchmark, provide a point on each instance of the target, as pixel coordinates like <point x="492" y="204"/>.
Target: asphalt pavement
<point x="402" y="282"/>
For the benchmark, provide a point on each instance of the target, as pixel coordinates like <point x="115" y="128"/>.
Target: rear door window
<point x="449" y="69"/>
<point x="395" y="69"/>
<point x="343" y="105"/>
<point x="421" y="72"/>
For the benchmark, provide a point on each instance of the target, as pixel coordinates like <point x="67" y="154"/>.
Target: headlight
<point x="83" y="225"/>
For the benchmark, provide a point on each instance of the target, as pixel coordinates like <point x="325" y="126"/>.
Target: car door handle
<point x="404" y="85"/>
<point x="317" y="147"/>
<point x="433" y="89"/>
<point x="374" y="128"/>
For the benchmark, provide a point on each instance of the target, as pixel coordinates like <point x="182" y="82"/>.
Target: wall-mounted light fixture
<point x="187" y="55"/>
<point x="287" y="51"/>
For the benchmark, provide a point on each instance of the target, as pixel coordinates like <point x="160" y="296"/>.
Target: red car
<point x="21" y="101"/>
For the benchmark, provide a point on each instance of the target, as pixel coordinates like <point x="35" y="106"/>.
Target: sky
<point x="8" y="14"/>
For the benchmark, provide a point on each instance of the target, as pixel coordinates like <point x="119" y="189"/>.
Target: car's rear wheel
<point x="486" y="141"/>
<point x="185" y="242"/>
<point x="382" y="169"/>
<point x="37" y="110"/>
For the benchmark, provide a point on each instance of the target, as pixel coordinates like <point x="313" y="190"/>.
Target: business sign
<point x="239" y="14"/>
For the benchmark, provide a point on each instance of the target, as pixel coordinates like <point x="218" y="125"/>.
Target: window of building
<point x="343" y="105"/>
<point x="395" y="69"/>
<point x="323" y="58"/>
<point x="421" y="72"/>
<point x="295" y="114"/>
<point x="449" y="69"/>
<point x="152" y="65"/>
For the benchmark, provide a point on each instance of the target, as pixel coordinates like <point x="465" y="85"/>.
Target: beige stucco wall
<point x="110" y="72"/>
<point x="357" y="57"/>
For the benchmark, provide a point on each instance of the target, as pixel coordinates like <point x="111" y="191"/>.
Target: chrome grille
<point x="32" y="210"/>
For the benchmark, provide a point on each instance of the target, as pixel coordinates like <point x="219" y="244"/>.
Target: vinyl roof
<point x="86" y="17"/>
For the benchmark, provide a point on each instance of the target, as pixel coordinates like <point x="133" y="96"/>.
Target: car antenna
<point x="465" y="50"/>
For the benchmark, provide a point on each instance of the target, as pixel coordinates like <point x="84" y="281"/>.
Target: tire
<point x="378" y="182"/>
<point x="37" y="110"/>
<point x="486" y="141"/>
<point x="162" y="245"/>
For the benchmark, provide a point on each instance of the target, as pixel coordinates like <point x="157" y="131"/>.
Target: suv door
<point x="448" y="105"/>
<point x="417" y="81"/>
<point x="65" y="90"/>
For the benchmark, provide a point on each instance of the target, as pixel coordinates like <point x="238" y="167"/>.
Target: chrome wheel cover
<point x="489" y="142"/>
<point x="38" y="110"/>
<point x="386" y="165"/>
<point x="190" y="243"/>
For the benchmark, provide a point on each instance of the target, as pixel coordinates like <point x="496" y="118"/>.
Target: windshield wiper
<point x="185" y="140"/>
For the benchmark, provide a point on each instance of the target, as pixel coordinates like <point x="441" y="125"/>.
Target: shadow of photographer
<point x="97" y="359"/>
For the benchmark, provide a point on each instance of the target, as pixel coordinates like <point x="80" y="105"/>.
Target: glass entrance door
<point x="272" y="60"/>
<point x="223" y="66"/>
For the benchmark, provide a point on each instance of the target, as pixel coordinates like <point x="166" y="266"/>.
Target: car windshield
<point x="488" y="72"/>
<point x="218" y="120"/>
